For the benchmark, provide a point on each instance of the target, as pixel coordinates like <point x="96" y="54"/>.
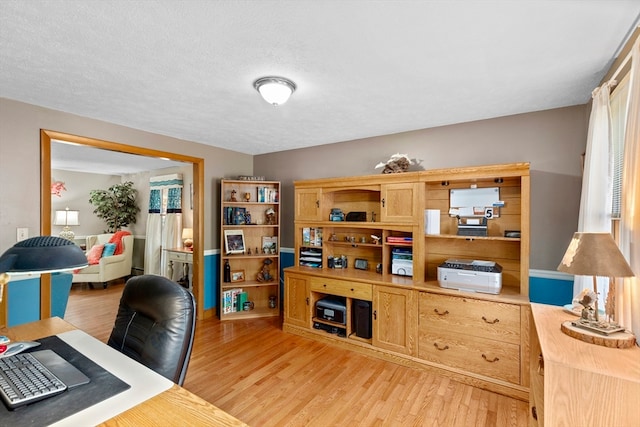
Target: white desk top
<point x="144" y="382"/>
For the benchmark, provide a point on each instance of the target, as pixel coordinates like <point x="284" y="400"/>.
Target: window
<point x="618" y="104"/>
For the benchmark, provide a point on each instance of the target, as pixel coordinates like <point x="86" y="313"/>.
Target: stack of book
<point x="233" y="300"/>
<point x="400" y="239"/>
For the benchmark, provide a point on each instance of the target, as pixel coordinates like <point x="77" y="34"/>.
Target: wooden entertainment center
<point x="481" y="339"/>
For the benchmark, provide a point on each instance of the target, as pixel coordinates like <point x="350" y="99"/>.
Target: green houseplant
<point x="116" y="206"/>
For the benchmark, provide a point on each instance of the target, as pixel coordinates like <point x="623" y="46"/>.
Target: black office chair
<point x="155" y="325"/>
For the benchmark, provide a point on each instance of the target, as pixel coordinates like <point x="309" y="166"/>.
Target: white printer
<point x="470" y="275"/>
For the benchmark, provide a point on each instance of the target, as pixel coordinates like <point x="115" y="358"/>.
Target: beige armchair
<point x="110" y="267"/>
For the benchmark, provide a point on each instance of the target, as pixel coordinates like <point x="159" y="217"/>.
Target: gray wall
<point x="552" y="141"/>
<point x="20" y="126"/>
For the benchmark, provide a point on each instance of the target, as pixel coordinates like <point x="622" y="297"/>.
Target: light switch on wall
<point x="22" y="234"/>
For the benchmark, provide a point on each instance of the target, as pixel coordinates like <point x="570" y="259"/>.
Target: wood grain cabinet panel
<point x="296" y="300"/>
<point x="469" y="316"/>
<point x="341" y="288"/>
<point x="479" y="355"/>
<point x="394" y="319"/>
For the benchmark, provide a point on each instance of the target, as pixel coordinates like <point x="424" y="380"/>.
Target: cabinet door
<point x="296" y="300"/>
<point x="399" y="202"/>
<point x="395" y="324"/>
<point x="308" y="204"/>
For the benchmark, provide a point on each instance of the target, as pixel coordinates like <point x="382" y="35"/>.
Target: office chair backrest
<point x="155" y="325"/>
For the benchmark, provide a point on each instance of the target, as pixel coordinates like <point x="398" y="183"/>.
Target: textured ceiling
<point x="363" y="68"/>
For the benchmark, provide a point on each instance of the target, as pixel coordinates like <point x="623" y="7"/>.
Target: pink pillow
<point x="94" y="254"/>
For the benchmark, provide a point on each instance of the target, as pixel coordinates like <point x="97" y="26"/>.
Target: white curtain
<point x="164" y="223"/>
<point x="628" y="290"/>
<point x="597" y="181"/>
<point x="153" y="245"/>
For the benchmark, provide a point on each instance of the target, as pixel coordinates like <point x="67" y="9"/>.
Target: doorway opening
<point x="46" y="137"/>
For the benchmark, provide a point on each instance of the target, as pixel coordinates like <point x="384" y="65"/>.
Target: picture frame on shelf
<point x="269" y="245"/>
<point x="237" y="276"/>
<point x="234" y="241"/>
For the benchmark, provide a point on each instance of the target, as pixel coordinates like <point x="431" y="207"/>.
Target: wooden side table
<point x="183" y="256"/>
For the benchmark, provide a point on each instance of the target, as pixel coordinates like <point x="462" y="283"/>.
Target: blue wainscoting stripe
<point x="60" y="288"/>
<point x="23" y="295"/>
<point x="550" y="287"/>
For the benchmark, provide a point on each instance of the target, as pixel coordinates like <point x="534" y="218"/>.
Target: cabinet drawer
<point x="343" y="288"/>
<point x="175" y="256"/>
<point x="473" y="317"/>
<point x="479" y="355"/>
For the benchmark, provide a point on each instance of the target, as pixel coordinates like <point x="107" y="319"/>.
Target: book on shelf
<point x="267" y="195"/>
<point x="312" y="236"/>
<point x="399" y="239"/>
<point x="230" y="300"/>
<point x="234" y="215"/>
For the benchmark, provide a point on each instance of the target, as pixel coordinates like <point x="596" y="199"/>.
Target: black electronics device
<point x="357" y="216"/>
<point x="361" y="264"/>
<point x="333" y="309"/>
<point x="361" y="318"/>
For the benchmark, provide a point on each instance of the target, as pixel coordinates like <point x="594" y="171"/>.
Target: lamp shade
<point x="275" y="90"/>
<point x="594" y="254"/>
<point x="42" y="254"/>
<point x="187" y="233"/>
<point x="66" y="217"/>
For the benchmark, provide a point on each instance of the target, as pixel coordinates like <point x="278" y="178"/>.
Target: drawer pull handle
<point x="540" y="365"/>
<point x="490" y="322"/>
<point x="435" y="310"/>
<point x="446" y="347"/>
<point x="495" y="359"/>
<point x="317" y="203"/>
<point x="307" y="300"/>
<point x="325" y="285"/>
<point x="351" y="289"/>
<point x="383" y="202"/>
<point x="534" y="412"/>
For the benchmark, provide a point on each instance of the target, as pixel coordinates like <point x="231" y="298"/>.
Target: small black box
<point x="361" y="321"/>
<point x="333" y="309"/>
<point x="357" y="216"/>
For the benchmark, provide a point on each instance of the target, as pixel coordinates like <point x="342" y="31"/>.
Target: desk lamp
<point x="187" y="238"/>
<point x="595" y="254"/>
<point x="42" y="254"/>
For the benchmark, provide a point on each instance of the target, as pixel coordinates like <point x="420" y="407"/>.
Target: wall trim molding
<point x="549" y="274"/>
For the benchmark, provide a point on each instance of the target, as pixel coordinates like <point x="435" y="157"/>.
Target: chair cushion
<point x="155" y="325"/>
<point x="94" y="254"/>
<point x="109" y="249"/>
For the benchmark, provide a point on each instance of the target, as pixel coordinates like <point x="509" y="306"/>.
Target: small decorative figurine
<point x="233" y="196"/>
<point x="271" y="216"/>
<point x="264" y="275"/>
<point x="397" y="163"/>
<point x="247" y="196"/>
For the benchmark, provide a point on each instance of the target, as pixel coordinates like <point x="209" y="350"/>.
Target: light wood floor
<point x="266" y="377"/>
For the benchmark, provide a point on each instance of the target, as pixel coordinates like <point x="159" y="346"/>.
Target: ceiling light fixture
<point x="275" y="90"/>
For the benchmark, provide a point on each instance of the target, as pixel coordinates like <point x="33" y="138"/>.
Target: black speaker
<point x="361" y="318"/>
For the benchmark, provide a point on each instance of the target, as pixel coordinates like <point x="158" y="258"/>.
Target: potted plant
<point x="116" y="206"/>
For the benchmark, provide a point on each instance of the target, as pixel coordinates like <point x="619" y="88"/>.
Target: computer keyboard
<point x="24" y="379"/>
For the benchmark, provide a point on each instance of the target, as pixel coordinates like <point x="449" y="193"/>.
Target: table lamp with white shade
<point x="595" y="254"/>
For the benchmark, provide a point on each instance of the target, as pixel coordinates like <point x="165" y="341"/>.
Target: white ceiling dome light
<point x="275" y="90"/>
